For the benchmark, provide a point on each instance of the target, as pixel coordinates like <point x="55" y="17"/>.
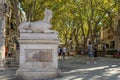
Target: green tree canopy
<point x="74" y="18"/>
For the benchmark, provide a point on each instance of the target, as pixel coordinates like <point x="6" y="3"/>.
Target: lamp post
<point x="70" y="42"/>
<point x="83" y="40"/>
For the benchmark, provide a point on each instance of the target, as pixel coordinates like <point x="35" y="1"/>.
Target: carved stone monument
<point x="38" y="50"/>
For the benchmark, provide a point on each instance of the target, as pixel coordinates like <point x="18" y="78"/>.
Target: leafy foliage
<point x="74" y="18"/>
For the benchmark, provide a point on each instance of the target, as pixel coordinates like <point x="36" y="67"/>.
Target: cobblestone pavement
<point x="75" y="68"/>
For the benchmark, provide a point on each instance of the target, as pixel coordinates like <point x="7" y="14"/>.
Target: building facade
<point x="117" y="32"/>
<point x="111" y="36"/>
<point x="108" y="37"/>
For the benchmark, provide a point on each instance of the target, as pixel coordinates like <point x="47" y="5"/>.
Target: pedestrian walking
<point x="64" y="52"/>
<point x="95" y="52"/>
<point x="90" y="54"/>
<point x="59" y="53"/>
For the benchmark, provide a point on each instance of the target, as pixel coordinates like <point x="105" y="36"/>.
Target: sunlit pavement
<point x="75" y="68"/>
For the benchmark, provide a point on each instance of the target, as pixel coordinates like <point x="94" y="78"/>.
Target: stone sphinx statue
<point x="42" y="26"/>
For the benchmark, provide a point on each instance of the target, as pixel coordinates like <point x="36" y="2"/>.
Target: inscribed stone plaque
<point x="38" y="55"/>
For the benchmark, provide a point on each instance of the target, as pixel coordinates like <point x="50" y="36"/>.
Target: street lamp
<point x="70" y="42"/>
<point x="82" y="38"/>
<point x="97" y="38"/>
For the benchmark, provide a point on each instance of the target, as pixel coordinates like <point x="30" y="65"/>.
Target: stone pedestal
<point x="38" y="56"/>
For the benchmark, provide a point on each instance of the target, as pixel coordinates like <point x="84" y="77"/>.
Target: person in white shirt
<point x="64" y="52"/>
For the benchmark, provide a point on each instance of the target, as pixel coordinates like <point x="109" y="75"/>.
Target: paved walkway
<point x="75" y="68"/>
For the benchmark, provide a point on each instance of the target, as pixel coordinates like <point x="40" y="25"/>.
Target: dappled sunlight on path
<point x="76" y="69"/>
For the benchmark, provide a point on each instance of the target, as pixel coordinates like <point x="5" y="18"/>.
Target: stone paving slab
<point x="75" y="68"/>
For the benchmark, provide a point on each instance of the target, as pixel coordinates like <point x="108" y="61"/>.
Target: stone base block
<point x="30" y="75"/>
<point x="38" y="36"/>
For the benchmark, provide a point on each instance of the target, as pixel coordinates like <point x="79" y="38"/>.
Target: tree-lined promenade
<point x="75" y="20"/>
<point x="79" y="23"/>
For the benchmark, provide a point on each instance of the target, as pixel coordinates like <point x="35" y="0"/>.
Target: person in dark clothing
<point x="60" y="51"/>
<point x="95" y="52"/>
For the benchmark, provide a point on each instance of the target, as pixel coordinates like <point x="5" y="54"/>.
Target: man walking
<point x="90" y="54"/>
